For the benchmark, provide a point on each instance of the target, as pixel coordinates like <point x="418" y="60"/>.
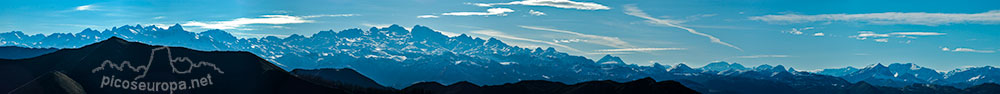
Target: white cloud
<point x="966" y="50"/>
<point x="798" y="31"/>
<point x="596" y="39"/>
<point x="917" y="33"/>
<point x="914" y="18"/>
<point x="263" y="19"/>
<point x="762" y="56"/>
<point x="639" y="49"/>
<point x="634" y="11"/>
<point x="85" y="7"/>
<point x="536" y="13"/>
<point x="159" y="17"/>
<point x="605" y="53"/>
<point x="331" y="15"/>
<point x="375" y="25"/>
<point x="427" y="16"/>
<point x="253" y="35"/>
<point x="863" y="35"/>
<point x="819" y="34"/>
<point x="567" y="40"/>
<point x="882" y="40"/>
<point x="551" y="3"/>
<point x="491" y="11"/>
<point x="503" y="35"/>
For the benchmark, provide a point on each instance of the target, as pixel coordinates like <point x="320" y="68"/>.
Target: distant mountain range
<point x="397" y="57"/>
<point x="116" y="66"/>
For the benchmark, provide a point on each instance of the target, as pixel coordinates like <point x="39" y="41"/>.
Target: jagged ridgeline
<point x="116" y="66"/>
<point x="397" y="57"/>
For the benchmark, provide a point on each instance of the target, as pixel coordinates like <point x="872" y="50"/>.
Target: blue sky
<point x="803" y="34"/>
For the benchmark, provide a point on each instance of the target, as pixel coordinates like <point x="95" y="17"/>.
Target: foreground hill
<point x="13" y="52"/>
<point x="116" y="66"/>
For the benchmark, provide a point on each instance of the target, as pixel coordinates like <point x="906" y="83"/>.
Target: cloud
<point x="551" y="3"/>
<point x="427" y="16"/>
<point x="917" y="33"/>
<point x="862" y="35"/>
<point x="798" y="31"/>
<point x="819" y="34"/>
<point x="85" y="7"/>
<point x="331" y="15"/>
<point x="491" y="11"/>
<point x="567" y="40"/>
<point x="966" y="50"/>
<point x="502" y="35"/>
<point x="376" y="25"/>
<point x="536" y="13"/>
<point x="605" y="53"/>
<point x="254" y="35"/>
<point x="263" y="19"/>
<point x="639" y="49"/>
<point x="763" y="56"/>
<point x="634" y="11"/>
<point x="887" y="18"/>
<point x="159" y="17"/>
<point x="596" y="39"/>
<point x="882" y="40"/>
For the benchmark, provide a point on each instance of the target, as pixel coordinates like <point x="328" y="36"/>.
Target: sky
<point x="803" y="34"/>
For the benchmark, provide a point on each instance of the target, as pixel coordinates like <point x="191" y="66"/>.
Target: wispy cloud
<point x="254" y="35"/>
<point x="491" y="11"/>
<point x="798" y="31"/>
<point x="917" y="33"/>
<point x="639" y="49"/>
<point x="551" y="3"/>
<point x="763" y="56"/>
<point x="159" y="17"/>
<point x="634" y="11"/>
<point x="882" y="40"/>
<point x="505" y="36"/>
<point x="331" y="15"/>
<point x="913" y="18"/>
<point x="567" y="40"/>
<point x="596" y="39"/>
<point x="819" y="34"/>
<point x="263" y="19"/>
<point x="375" y="25"/>
<point x="536" y="13"/>
<point x="966" y="50"/>
<point x="862" y="35"/>
<point x="85" y="7"/>
<point x="427" y="16"/>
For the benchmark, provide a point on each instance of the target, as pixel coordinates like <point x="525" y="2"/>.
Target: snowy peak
<point x="176" y="27"/>
<point x="896" y="75"/>
<point x="723" y="66"/>
<point x="608" y="59"/>
<point x="974" y="75"/>
<point x="682" y="68"/>
<point x="838" y="71"/>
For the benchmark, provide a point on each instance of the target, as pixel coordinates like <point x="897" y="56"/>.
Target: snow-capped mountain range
<point x="397" y="57"/>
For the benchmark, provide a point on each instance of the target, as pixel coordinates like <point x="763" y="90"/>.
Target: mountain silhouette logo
<point x="145" y="68"/>
<point x="143" y="85"/>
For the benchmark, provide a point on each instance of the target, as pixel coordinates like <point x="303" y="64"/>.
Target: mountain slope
<point x="119" y="66"/>
<point x="339" y="77"/>
<point x="13" y="52"/>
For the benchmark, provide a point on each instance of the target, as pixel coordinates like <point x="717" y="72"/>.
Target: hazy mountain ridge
<point x="396" y="57"/>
